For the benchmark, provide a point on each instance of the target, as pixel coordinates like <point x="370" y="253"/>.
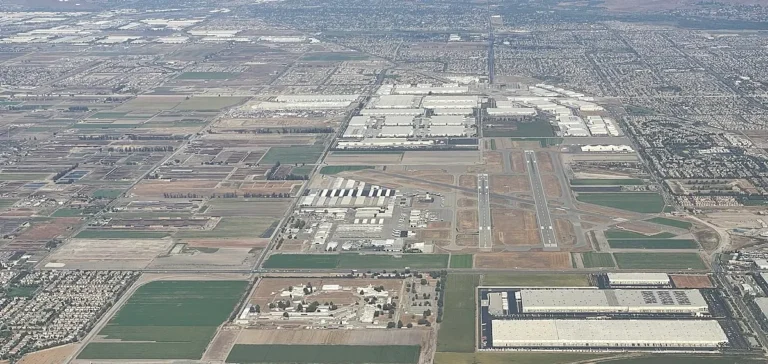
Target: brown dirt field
<point x="514" y="227"/>
<point x="524" y="260"/>
<point x="565" y="233"/>
<point x="434" y="234"/>
<point x="334" y="337"/>
<point x="509" y="184"/>
<point x="468" y="181"/>
<point x="595" y="219"/>
<point x="268" y="289"/>
<point x="691" y="281"/>
<point x="49" y="230"/>
<point x="545" y="162"/>
<point x="292" y="245"/>
<point x="467" y="220"/>
<point x="156" y="188"/>
<point x="517" y="161"/>
<point x="227" y="243"/>
<point x="439" y="225"/>
<point x="222" y="344"/>
<point x="607" y="211"/>
<point x="707" y="237"/>
<point x="467" y="202"/>
<point x="54" y="355"/>
<point x="493" y="162"/>
<point x="586" y="225"/>
<point x="640" y="227"/>
<point x="439" y="178"/>
<point x="551" y="186"/>
<point x="467" y="241"/>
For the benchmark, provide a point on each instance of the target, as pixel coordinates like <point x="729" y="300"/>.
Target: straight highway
<point x="485" y="237"/>
<point x="546" y="228"/>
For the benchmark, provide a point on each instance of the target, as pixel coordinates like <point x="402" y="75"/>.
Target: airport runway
<point x="485" y="237"/>
<point x="546" y="228"/>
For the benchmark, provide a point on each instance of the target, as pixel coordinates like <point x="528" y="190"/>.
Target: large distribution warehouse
<point x="607" y="333"/>
<point x="663" y="301"/>
<point x="638" y="279"/>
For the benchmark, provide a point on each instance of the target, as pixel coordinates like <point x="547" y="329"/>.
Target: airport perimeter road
<point x="546" y="228"/>
<point x="484" y="212"/>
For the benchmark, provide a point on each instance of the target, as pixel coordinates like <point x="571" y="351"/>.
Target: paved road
<point x="546" y="228"/>
<point x="484" y="212"/>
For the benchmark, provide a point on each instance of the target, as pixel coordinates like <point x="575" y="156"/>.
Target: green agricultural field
<point x="457" y="331"/>
<point x="337" y="169"/>
<point x="653" y="244"/>
<point x="167" y="320"/>
<point x="535" y="280"/>
<point x="208" y="103"/>
<point x="597" y="260"/>
<point x="671" y="222"/>
<point x="6" y="203"/>
<point x="291" y="155"/>
<point x="108" y="115"/>
<point x="606" y="182"/>
<point x="356" y="261"/>
<point x="324" y="354"/>
<point x="302" y="170"/>
<point x="492" y="145"/>
<point x="206" y="76"/>
<point x="665" y="261"/>
<point x="520" y="357"/>
<point x="67" y="212"/>
<point x="626" y="234"/>
<point x="121" y="234"/>
<point x="461" y="261"/>
<point x="23" y="176"/>
<point x="107" y="193"/>
<point x="644" y="202"/>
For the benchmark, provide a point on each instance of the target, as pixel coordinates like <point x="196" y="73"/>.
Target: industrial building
<point x="638" y="279"/>
<point x="394" y="102"/>
<point x="607" y="148"/>
<point x="386" y="112"/>
<point x="427" y="89"/>
<point x="445" y="131"/>
<point x="516" y="111"/>
<point x="627" y="334"/>
<point x="396" y="131"/>
<point x="614" y="301"/>
<point x="453" y="102"/>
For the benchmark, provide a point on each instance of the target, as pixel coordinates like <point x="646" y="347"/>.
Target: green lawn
<point x="606" y="182"/>
<point x="324" y="354"/>
<point x="671" y="222"/>
<point x="665" y="261"/>
<point x="108" y="115"/>
<point x="302" y="170"/>
<point x="206" y="76"/>
<point x="597" y="260"/>
<point x="535" y="280"/>
<point x="356" y="261"/>
<point x="337" y="169"/>
<point x="626" y="234"/>
<point x="121" y="234"/>
<point x="520" y="357"/>
<point x="107" y="193"/>
<point x="167" y="320"/>
<point x="457" y="331"/>
<point x="653" y="244"/>
<point x="291" y="155"/>
<point x="644" y="202"/>
<point x="461" y="261"/>
<point x="492" y="143"/>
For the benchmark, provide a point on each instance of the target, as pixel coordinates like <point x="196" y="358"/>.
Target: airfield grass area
<point x="643" y="202"/>
<point x="291" y="155"/>
<point x="626" y="234"/>
<point x="597" y="260"/>
<point x="535" y="280"/>
<point x="461" y="261"/>
<point x="167" y="320"/>
<point x="121" y="234"/>
<point x="671" y="261"/>
<point x="338" y="169"/>
<point x="520" y="357"/>
<point x="671" y="222"/>
<point x="356" y="261"/>
<point x="457" y="331"/>
<point x="324" y="354"/>
<point x="606" y="182"/>
<point x="206" y="76"/>
<point x="542" y="129"/>
<point x="653" y="244"/>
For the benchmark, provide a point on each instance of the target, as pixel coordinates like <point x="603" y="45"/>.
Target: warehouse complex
<point x="687" y="301"/>
<point x="639" y="279"/>
<point x="607" y="334"/>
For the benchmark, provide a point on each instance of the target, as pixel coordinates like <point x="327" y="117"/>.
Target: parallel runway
<point x="546" y="227"/>
<point x="485" y="237"/>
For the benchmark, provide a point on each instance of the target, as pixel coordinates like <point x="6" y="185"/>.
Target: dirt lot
<point x="363" y="158"/>
<point x="269" y="288"/>
<point x="438" y="178"/>
<point x="545" y="162"/>
<point x="156" y="188"/>
<point x="514" y="227"/>
<point x="493" y="161"/>
<point x="691" y="281"/>
<point x="292" y="245"/>
<point x="333" y="337"/>
<point x="524" y="260"/>
<point x="466" y="202"/>
<point x="221" y="344"/>
<point x="517" y="161"/>
<point x="54" y="355"/>
<point x="467" y="220"/>
<point x="468" y="181"/>
<point x="565" y="233"/>
<point x="509" y="184"/>
<point x="227" y="243"/>
<point x="439" y="225"/>
<point x="469" y="241"/>
<point x="551" y="186"/>
<point x="434" y="234"/>
<point x="49" y="230"/>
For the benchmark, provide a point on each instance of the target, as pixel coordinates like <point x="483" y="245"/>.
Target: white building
<point x="607" y="148"/>
<point x="682" y="301"/>
<point x="638" y="279"/>
<point x="396" y="131"/>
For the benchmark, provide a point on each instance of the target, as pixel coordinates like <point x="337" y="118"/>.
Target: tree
<point x="410" y="325"/>
<point x="299" y="307"/>
<point x="424" y="282"/>
<point x="285" y="314"/>
<point x="390" y="325"/>
<point x="427" y="313"/>
<point x="399" y="324"/>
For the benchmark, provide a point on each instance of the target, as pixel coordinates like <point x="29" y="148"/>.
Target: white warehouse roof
<point x="394" y="102"/>
<point x="638" y="278"/>
<point x="385" y="112"/>
<point x="613" y="333"/>
<point x="613" y="300"/>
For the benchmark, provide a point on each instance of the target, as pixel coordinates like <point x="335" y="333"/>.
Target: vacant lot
<point x="644" y="202"/>
<point x="356" y="261"/>
<point x="606" y="182"/>
<point x="55" y="355"/>
<point x="339" y="169"/>
<point x="671" y="222"/>
<point x="467" y="220"/>
<point x="626" y="234"/>
<point x="292" y="155"/>
<point x="597" y="260"/>
<point x="121" y="234"/>
<point x="235" y="227"/>
<point x="461" y="261"/>
<point x="515" y="227"/>
<point x="691" y="281"/>
<point x="167" y="320"/>
<point x="324" y="354"/>
<point x="524" y="260"/>
<point x="468" y="181"/>
<point x="653" y="244"/>
<point x="535" y="280"/>
<point x="509" y="184"/>
<point x="332" y="337"/>
<point x="201" y="103"/>
<point x="669" y="261"/>
<point x="457" y="331"/>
